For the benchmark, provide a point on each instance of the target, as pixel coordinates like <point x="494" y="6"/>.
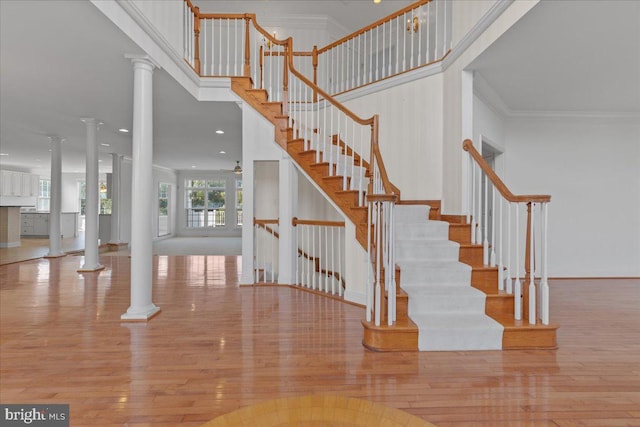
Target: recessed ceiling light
<point x="105" y="145"/>
<point x="219" y="131"/>
<point x="223" y="152"/>
<point x="123" y="130"/>
<point x="193" y="166"/>
<point x="99" y="160"/>
<point x="4" y="154"/>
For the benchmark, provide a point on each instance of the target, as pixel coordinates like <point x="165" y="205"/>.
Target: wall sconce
<point x="413" y="23"/>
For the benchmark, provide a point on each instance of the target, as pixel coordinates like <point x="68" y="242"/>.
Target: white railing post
<point x="532" y="285"/>
<point x="545" y="284"/>
<point x="517" y="304"/>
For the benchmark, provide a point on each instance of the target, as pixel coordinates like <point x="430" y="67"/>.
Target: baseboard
<point x="596" y="278"/>
<point x="10" y="245"/>
<point x="355" y="297"/>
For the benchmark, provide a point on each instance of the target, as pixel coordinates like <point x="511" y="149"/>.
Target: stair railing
<point x="235" y="45"/>
<point x="413" y="37"/>
<point x="265" y="256"/>
<point x="382" y="198"/>
<point x="320" y="263"/>
<point x="501" y="237"/>
<point x="340" y="139"/>
<point x="336" y="136"/>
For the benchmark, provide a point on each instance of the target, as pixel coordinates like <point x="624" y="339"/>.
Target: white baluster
<point x="435" y="44"/>
<point x="500" y="249"/>
<point x="369" y="288"/>
<point x="532" y="285"/>
<point x="417" y="15"/>
<point x="485" y="242"/>
<point x="545" y="254"/>
<point x="517" y="307"/>
<point x="228" y="45"/>
<point x="378" y="262"/>
<point x="492" y="261"/>
<point x="509" y="286"/>
<point x="479" y="211"/>
<point x="390" y="71"/>
<point x="398" y="44"/>
<point x="377" y="53"/>
<point x="470" y="210"/>
<point x="427" y="54"/>
<point x="382" y="75"/>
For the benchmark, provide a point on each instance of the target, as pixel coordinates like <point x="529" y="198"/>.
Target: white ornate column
<point x="142" y="307"/>
<point x="116" y="170"/>
<point x="288" y="200"/>
<point x="92" y="206"/>
<point x="55" y="235"/>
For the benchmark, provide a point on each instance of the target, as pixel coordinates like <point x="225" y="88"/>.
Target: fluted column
<point x="116" y="170"/>
<point x="142" y="307"/>
<point x="55" y="235"/>
<point x="92" y="206"/>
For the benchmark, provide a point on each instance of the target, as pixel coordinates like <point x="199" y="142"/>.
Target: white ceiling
<point x="69" y="63"/>
<point x="574" y="57"/>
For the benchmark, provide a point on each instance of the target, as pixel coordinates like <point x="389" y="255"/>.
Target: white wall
<point x="453" y="197"/>
<point x="166" y="16"/>
<point x="410" y="134"/>
<point x="591" y="168"/>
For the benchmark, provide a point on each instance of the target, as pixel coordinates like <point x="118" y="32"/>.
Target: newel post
<point x="196" y="30"/>
<point x="247" y="49"/>
<point x="315" y="72"/>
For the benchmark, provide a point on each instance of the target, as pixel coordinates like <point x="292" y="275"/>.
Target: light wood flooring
<point x="216" y="347"/>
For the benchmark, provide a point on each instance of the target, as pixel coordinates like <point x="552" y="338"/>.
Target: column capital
<point x="142" y="60"/>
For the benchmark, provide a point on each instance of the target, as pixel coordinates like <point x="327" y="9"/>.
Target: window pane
<point x="195" y="199"/>
<point x="216" y="199"/>
<point x="196" y="183"/>
<point x="216" y="183"/>
<point x="239" y="202"/>
<point x="163" y="209"/>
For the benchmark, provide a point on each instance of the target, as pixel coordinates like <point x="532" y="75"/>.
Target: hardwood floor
<point x="216" y="347"/>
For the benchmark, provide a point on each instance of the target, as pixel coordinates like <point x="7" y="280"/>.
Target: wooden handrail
<point x="265" y="221"/>
<point x="192" y="7"/>
<point x="375" y="24"/>
<point x="467" y="145"/>
<point x="324" y="94"/>
<point x="297" y="221"/>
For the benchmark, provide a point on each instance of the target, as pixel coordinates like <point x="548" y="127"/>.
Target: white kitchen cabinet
<point x="18" y="184"/>
<point x="37" y="224"/>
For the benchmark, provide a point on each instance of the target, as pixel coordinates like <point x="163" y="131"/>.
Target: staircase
<point x="434" y="254"/>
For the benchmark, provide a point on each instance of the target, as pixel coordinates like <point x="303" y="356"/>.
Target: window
<point x="205" y="204"/>
<point x="44" y="195"/>
<point x="164" y="196"/>
<point x="105" y="204"/>
<point x="239" y="202"/>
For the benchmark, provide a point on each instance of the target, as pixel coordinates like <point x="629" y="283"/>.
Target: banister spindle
<point x="492" y="258"/>
<point x="509" y="287"/>
<point x="485" y="231"/>
<point x="517" y="308"/>
<point x="544" y="255"/>
<point x="532" y="285"/>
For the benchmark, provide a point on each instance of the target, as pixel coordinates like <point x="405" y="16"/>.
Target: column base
<point x="55" y="255"/>
<point x="145" y="314"/>
<point x="85" y="268"/>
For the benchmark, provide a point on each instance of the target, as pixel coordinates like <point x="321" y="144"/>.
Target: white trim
<point x="481" y="26"/>
<point x="10" y="245"/>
